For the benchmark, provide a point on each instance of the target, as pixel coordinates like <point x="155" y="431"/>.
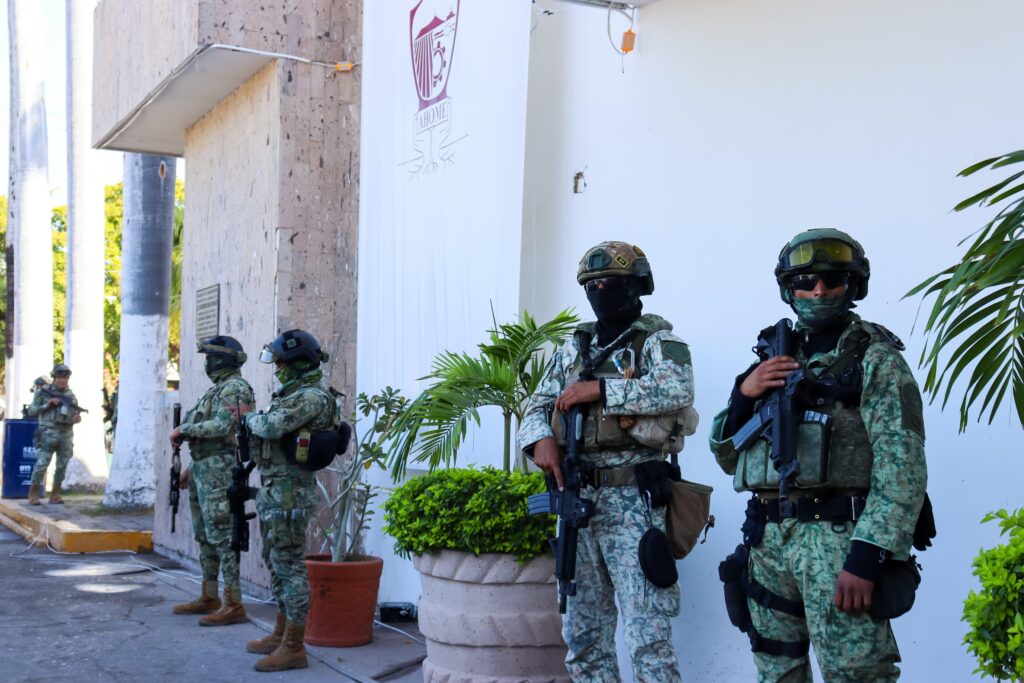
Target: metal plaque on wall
<point x="208" y="312"/>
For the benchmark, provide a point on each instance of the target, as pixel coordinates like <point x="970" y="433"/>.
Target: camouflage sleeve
<point x="536" y="424"/>
<point x="725" y="454"/>
<point x="289" y="414"/>
<point x="220" y="423"/>
<point x="892" y="411"/>
<point x="38" y="405"/>
<point x="666" y="386"/>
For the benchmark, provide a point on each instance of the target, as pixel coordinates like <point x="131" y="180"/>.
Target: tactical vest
<point x="833" y="453"/>
<point x="208" y="405"/>
<point x="272" y="451"/>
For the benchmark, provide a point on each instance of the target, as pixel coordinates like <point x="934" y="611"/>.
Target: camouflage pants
<point x="285" y="505"/>
<point x="607" y="568"/>
<point x="46" y="441"/>
<point x="209" y="479"/>
<point x="801" y="561"/>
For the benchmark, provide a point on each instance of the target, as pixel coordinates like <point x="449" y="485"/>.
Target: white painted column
<point x="146" y="240"/>
<point x="30" y="205"/>
<point x="83" y="332"/>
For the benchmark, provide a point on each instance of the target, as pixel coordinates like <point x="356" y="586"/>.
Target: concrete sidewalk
<point x="81" y="525"/>
<point x="68" y="618"/>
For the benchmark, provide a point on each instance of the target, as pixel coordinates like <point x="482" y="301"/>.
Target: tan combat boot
<point x="269" y="642"/>
<point x="207" y="602"/>
<point x="290" y="654"/>
<point x="231" y="610"/>
<point x="55" y="495"/>
<point x="33" y="494"/>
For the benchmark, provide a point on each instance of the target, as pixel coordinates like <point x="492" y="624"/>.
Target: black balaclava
<point x="616" y="306"/>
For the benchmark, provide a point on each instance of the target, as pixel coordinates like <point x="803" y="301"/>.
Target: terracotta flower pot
<point x="343" y="600"/>
<point x="488" y="619"/>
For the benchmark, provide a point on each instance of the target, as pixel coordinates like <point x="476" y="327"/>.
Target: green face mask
<point x="284" y="374"/>
<point x="821" y="312"/>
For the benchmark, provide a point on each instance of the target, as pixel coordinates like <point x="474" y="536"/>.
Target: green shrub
<point x="471" y="510"/>
<point x="996" y="612"/>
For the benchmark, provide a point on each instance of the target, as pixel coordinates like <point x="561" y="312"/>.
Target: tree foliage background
<point x="112" y="279"/>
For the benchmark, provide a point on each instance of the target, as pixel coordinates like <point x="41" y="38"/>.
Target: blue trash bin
<point x="19" y="456"/>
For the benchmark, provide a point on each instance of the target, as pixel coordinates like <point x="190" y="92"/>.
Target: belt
<point x="611" y="477"/>
<point x="823" y="508"/>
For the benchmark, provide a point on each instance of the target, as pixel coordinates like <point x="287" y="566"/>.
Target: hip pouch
<point x="656" y="560"/>
<point x="688" y="514"/>
<point x="895" y="589"/>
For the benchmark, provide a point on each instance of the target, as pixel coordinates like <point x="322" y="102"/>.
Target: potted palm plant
<point x="488" y="608"/>
<point x="978" y="316"/>
<point x="343" y="579"/>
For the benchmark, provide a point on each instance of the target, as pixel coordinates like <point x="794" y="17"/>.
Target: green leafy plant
<point x="469" y="510"/>
<point x="504" y="374"/>
<point x="979" y="304"/>
<point x="996" y="612"/>
<point x="345" y="496"/>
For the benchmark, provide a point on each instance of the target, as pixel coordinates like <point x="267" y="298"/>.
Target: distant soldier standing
<point x="854" y="498"/>
<point x="209" y="429"/>
<point x="58" y="411"/>
<point x="640" y="370"/>
<point x="287" y="495"/>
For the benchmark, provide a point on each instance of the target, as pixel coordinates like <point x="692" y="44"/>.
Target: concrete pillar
<point x="146" y="240"/>
<point x="83" y="329"/>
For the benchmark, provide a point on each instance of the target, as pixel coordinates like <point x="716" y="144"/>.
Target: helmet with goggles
<point x="611" y="259"/>
<point x="222" y="351"/>
<point x="60" y="370"/>
<point x="823" y="251"/>
<point x="297" y="348"/>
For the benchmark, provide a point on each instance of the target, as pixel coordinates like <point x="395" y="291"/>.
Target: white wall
<point x="438" y="244"/>
<point x="735" y="125"/>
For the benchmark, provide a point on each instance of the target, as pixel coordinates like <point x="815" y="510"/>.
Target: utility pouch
<point x="652" y="479"/>
<point x="665" y="433"/>
<point x="730" y="572"/>
<point x="600" y="431"/>
<point x="895" y="589"/>
<point x="315" y="450"/>
<point x="754" y="523"/>
<point x="688" y="514"/>
<point x="656" y="558"/>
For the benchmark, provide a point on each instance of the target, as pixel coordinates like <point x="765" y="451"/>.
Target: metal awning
<point x="210" y="74"/>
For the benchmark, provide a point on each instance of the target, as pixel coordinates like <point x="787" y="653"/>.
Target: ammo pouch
<point x="600" y="432"/>
<point x="665" y="433"/>
<point x="895" y="589"/>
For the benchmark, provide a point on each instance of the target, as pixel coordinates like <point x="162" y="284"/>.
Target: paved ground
<point x="100" y="618"/>
<point x="87" y="512"/>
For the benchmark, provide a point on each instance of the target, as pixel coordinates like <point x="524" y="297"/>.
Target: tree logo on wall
<point x="433" y="25"/>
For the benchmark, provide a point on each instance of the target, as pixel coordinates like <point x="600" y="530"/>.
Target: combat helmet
<point x="222" y="351"/>
<point x="821" y="250"/>
<point x="60" y="370"/>
<point x="296" y="348"/>
<point x="616" y="258"/>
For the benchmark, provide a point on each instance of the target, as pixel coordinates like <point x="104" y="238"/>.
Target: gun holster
<point x="654" y="481"/>
<point x="730" y="572"/>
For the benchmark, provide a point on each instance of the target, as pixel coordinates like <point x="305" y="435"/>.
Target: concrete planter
<point x="486" y="618"/>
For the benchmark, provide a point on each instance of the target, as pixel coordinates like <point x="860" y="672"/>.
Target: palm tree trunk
<point x="508" y="442"/>
<point x="83" y="331"/>
<point x="143" y="408"/>
<point x="30" y="203"/>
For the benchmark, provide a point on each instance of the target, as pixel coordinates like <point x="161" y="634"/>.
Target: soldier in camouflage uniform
<point x="287" y="496"/>
<point x="855" y="500"/>
<point x="641" y="370"/>
<point x="209" y="429"/>
<point x="57" y="409"/>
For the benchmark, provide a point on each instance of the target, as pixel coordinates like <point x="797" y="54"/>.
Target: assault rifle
<point x="239" y="492"/>
<point x="63" y="398"/>
<point x="175" y="496"/>
<point x="779" y="417"/>
<point x="573" y="512"/>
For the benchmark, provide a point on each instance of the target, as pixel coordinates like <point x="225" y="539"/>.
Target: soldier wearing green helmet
<point x="827" y="539"/>
<point x="209" y="429"/>
<point x="641" y="373"/>
<point x="58" y="411"/>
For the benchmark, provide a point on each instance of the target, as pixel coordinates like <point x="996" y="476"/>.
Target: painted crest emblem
<point x="433" y="26"/>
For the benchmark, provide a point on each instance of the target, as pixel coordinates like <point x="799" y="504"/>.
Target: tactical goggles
<point x="807" y="253"/>
<point x="267" y="356"/>
<point x="203" y="347"/>
<point x="806" y="282"/>
<point x="611" y="282"/>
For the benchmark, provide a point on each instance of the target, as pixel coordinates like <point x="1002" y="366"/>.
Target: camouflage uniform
<point x="209" y="429"/>
<point x="607" y="566"/>
<point x="287" y="495"/>
<point x="54" y="433"/>
<point x="877" y="447"/>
